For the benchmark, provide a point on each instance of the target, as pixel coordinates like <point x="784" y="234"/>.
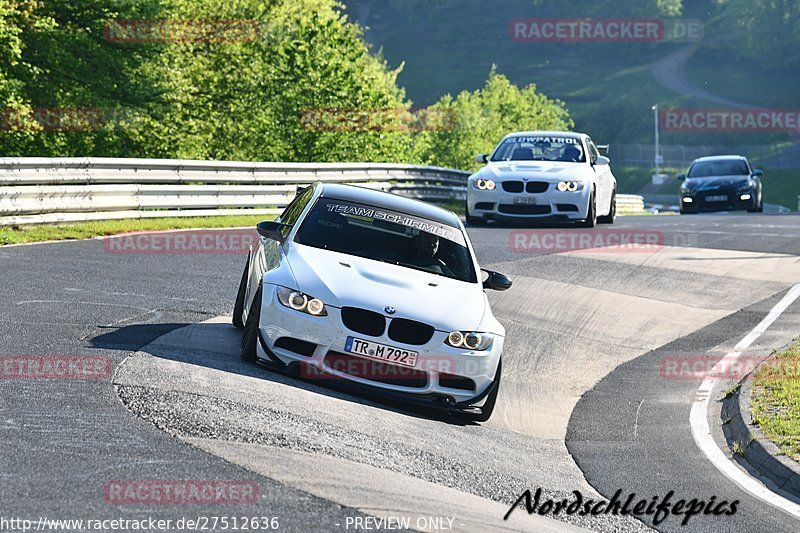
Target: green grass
<point x="776" y="400"/>
<point x="739" y="79"/>
<point x="87" y="230"/>
<point x="781" y="187"/>
<point x="631" y="180"/>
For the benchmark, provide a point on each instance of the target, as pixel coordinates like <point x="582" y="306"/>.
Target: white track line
<point x="699" y="420"/>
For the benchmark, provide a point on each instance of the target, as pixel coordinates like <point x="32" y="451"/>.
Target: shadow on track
<point x="215" y="345"/>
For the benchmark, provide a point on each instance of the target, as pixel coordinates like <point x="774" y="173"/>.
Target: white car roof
<point x="573" y="134"/>
<point x="720" y="158"/>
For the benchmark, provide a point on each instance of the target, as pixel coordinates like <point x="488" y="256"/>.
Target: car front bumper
<point x="732" y="201"/>
<point x="438" y="367"/>
<point x="551" y="204"/>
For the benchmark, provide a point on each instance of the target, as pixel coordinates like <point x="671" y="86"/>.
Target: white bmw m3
<point x="546" y="176"/>
<point x="377" y="291"/>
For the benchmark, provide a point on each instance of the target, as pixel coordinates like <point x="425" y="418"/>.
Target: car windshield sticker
<point x="398" y="218"/>
<point x="537" y="140"/>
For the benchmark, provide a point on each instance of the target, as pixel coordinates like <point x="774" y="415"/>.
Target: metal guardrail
<point x="53" y="190"/>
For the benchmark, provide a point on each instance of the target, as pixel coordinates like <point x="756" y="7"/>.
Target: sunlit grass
<point x="87" y="230"/>
<point x="776" y="400"/>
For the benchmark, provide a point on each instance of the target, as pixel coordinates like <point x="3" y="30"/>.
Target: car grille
<point x="376" y="370"/>
<point x="536" y="186"/>
<point x="567" y="207"/>
<point x="513" y="186"/>
<point x="531" y="186"/>
<point x="363" y="321"/>
<point x="522" y="209"/>
<point x="410" y="331"/>
<point x="484" y="205"/>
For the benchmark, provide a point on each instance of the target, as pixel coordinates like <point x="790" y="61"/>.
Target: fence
<point x="44" y="190"/>
<point x="681" y="156"/>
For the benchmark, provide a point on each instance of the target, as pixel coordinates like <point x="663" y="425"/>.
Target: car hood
<point x="547" y="170"/>
<point x="444" y="303"/>
<point x="717" y="182"/>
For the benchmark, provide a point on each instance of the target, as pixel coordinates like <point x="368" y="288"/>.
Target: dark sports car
<point x="721" y="183"/>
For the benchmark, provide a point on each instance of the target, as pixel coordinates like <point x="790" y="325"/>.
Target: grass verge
<point x="775" y="400"/>
<point x="87" y="230"/>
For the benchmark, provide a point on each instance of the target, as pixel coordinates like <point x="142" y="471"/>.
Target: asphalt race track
<point x="583" y="405"/>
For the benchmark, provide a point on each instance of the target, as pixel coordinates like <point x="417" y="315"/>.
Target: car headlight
<point x="472" y="340"/>
<point x="301" y="302"/>
<point x="484" y="185"/>
<point x="569" y="186"/>
<point x="745" y="187"/>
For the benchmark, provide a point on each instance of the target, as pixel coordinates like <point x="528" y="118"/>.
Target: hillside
<point x="450" y="45"/>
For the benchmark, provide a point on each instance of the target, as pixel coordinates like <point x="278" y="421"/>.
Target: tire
<point x="238" y="306"/>
<point x="491" y="400"/>
<point x="591" y="215"/>
<point x="248" y="351"/>
<point x="612" y="213"/>
<point x="473" y="221"/>
<point x="759" y="209"/>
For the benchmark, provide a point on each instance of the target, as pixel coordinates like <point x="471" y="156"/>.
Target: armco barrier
<point x="53" y="190"/>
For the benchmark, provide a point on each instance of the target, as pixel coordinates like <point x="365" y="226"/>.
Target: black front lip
<point x="441" y="402"/>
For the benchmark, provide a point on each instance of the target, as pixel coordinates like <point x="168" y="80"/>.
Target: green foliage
<point x="286" y="80"/>
<point x="764" y="30"/>
<point x="55" y="58"/>
<point x="484" y="117"/>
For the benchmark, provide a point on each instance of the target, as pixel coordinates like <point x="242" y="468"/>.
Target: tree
<point x="767" y="31"/>
<point x="483" y="117"/>
<point x="246" y="98"/>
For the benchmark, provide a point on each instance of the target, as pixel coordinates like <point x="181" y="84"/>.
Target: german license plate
<point x="374" y="350"/>
<point x="527" y="200"/>
<point x="716" y="198"/>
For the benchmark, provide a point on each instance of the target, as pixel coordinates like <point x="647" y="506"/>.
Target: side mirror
<point x="271" y="230"/>
<point x="602" y="160"/>
<point x="482" y="158"/>
<point x="681" y="177"/>
<point x="497" y="281"/>
<point x="758" y="172"/>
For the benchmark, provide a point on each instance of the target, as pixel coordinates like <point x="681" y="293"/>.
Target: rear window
<point x="388" y="236"/>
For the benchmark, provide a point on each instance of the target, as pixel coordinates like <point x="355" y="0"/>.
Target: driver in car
<point x="425" y="245"/>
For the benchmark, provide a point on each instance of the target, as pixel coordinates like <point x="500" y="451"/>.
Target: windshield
<point x="565" y="149"/>
<point x="728" y="167"/>
<point x="382" y="235"/>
